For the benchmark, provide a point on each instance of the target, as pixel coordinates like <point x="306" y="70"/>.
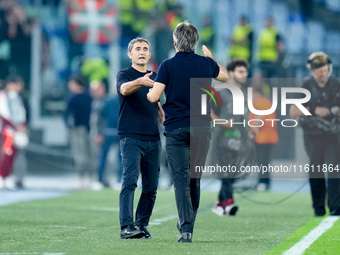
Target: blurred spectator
<point x="110" y="138"/>
<point x="241" y="43"/>
<point x="159" y="17"/>
<point x="144" y="11"/>
<point x="126" y="20"/>
<point x="207" y="33"/>
<point x="267" y="135"/>
<point x="162" y="36"/>
<point x="3" y="22"/>
<point x="174" y="13"/>
<point x="77" y="119"/>
<point x="98" y="93"/>
<point x="134" y="18"/>
<point x="20" y="164"/>
<point x="270" y="46"/>
<point x="4" y="44"/>
<point x="13" y="127"/>
<point x="96" y="69"/>
<point x="231" y="144"/>
<point x="19" y="34"/>
<point x="169" y="14"/>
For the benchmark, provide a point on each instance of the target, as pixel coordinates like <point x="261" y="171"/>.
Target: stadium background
<point x="92" y="36"/>
<point x="87" y="222"/>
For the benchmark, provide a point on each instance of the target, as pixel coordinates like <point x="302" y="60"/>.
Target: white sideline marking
<point x="64" y="226"/>
<point x="162" y="208"/>
<point x="104" y="209"/>
<point x="300" y="247"/>
<point x="159" y="221"/>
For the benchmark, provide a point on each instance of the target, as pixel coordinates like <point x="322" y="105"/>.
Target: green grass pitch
<point x="87" y="223"/>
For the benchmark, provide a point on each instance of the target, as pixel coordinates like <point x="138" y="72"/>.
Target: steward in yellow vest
<point x="134" y="15"/>
<point x="241" y="42"/>
<point x="270" y="46"/>
<point x="143" y="12"/>
<point x="268" y="40"/>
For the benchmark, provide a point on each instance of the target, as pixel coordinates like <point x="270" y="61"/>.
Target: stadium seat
<point x="280" y="13"/>
<point x="332" y="42"/>
<point x="296" y="43"/>
<point x="315" y="36"/>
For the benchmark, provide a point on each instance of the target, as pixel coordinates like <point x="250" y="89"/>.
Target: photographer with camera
<point x="321" y="132"/>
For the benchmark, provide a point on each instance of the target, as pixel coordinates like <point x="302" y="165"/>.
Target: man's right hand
<point x="146" y="81"/>
<point x="207" y="52"/>
<point x="131" y="86"/>
<point x="222" y="75"/>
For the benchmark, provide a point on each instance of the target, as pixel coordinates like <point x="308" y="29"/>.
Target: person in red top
<point x="12" y="127"/>
<point x="267" y="135"/>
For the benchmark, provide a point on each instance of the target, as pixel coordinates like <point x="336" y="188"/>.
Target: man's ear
<point x="129" y="54"/>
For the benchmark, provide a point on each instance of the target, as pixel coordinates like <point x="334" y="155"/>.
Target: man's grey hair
<point x="186" y="37"/>
<point x="133" y="41"/>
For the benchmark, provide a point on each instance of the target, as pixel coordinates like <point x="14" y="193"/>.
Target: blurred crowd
<point x="78" y="66"/>
<point x="68" y="38"/>
<point x="86" y="68"/>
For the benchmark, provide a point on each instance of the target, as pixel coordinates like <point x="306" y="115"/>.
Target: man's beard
<point x="322" y="80"/>
<point x="240" y="81"/>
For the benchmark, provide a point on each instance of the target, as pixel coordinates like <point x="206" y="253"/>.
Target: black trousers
<point x="263" y="158"/>
<point x="138" y="157"/>
<point x="324" y="149"/>
<point x="187" y="148"/>
<point x="226" y="190"/>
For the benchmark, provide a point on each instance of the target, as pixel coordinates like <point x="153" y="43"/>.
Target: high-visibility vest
<point x="206" y="33"/>
<point x="126" y="16"/>
<point x="240" y="50"/>
<point x="140" y="24"/>
<point x="267" y="50"/>
<point x="142" y="14"/>
<point x="145" y="5"/>
<point x="268" y="132"/>
<point x="96" y="69"/>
